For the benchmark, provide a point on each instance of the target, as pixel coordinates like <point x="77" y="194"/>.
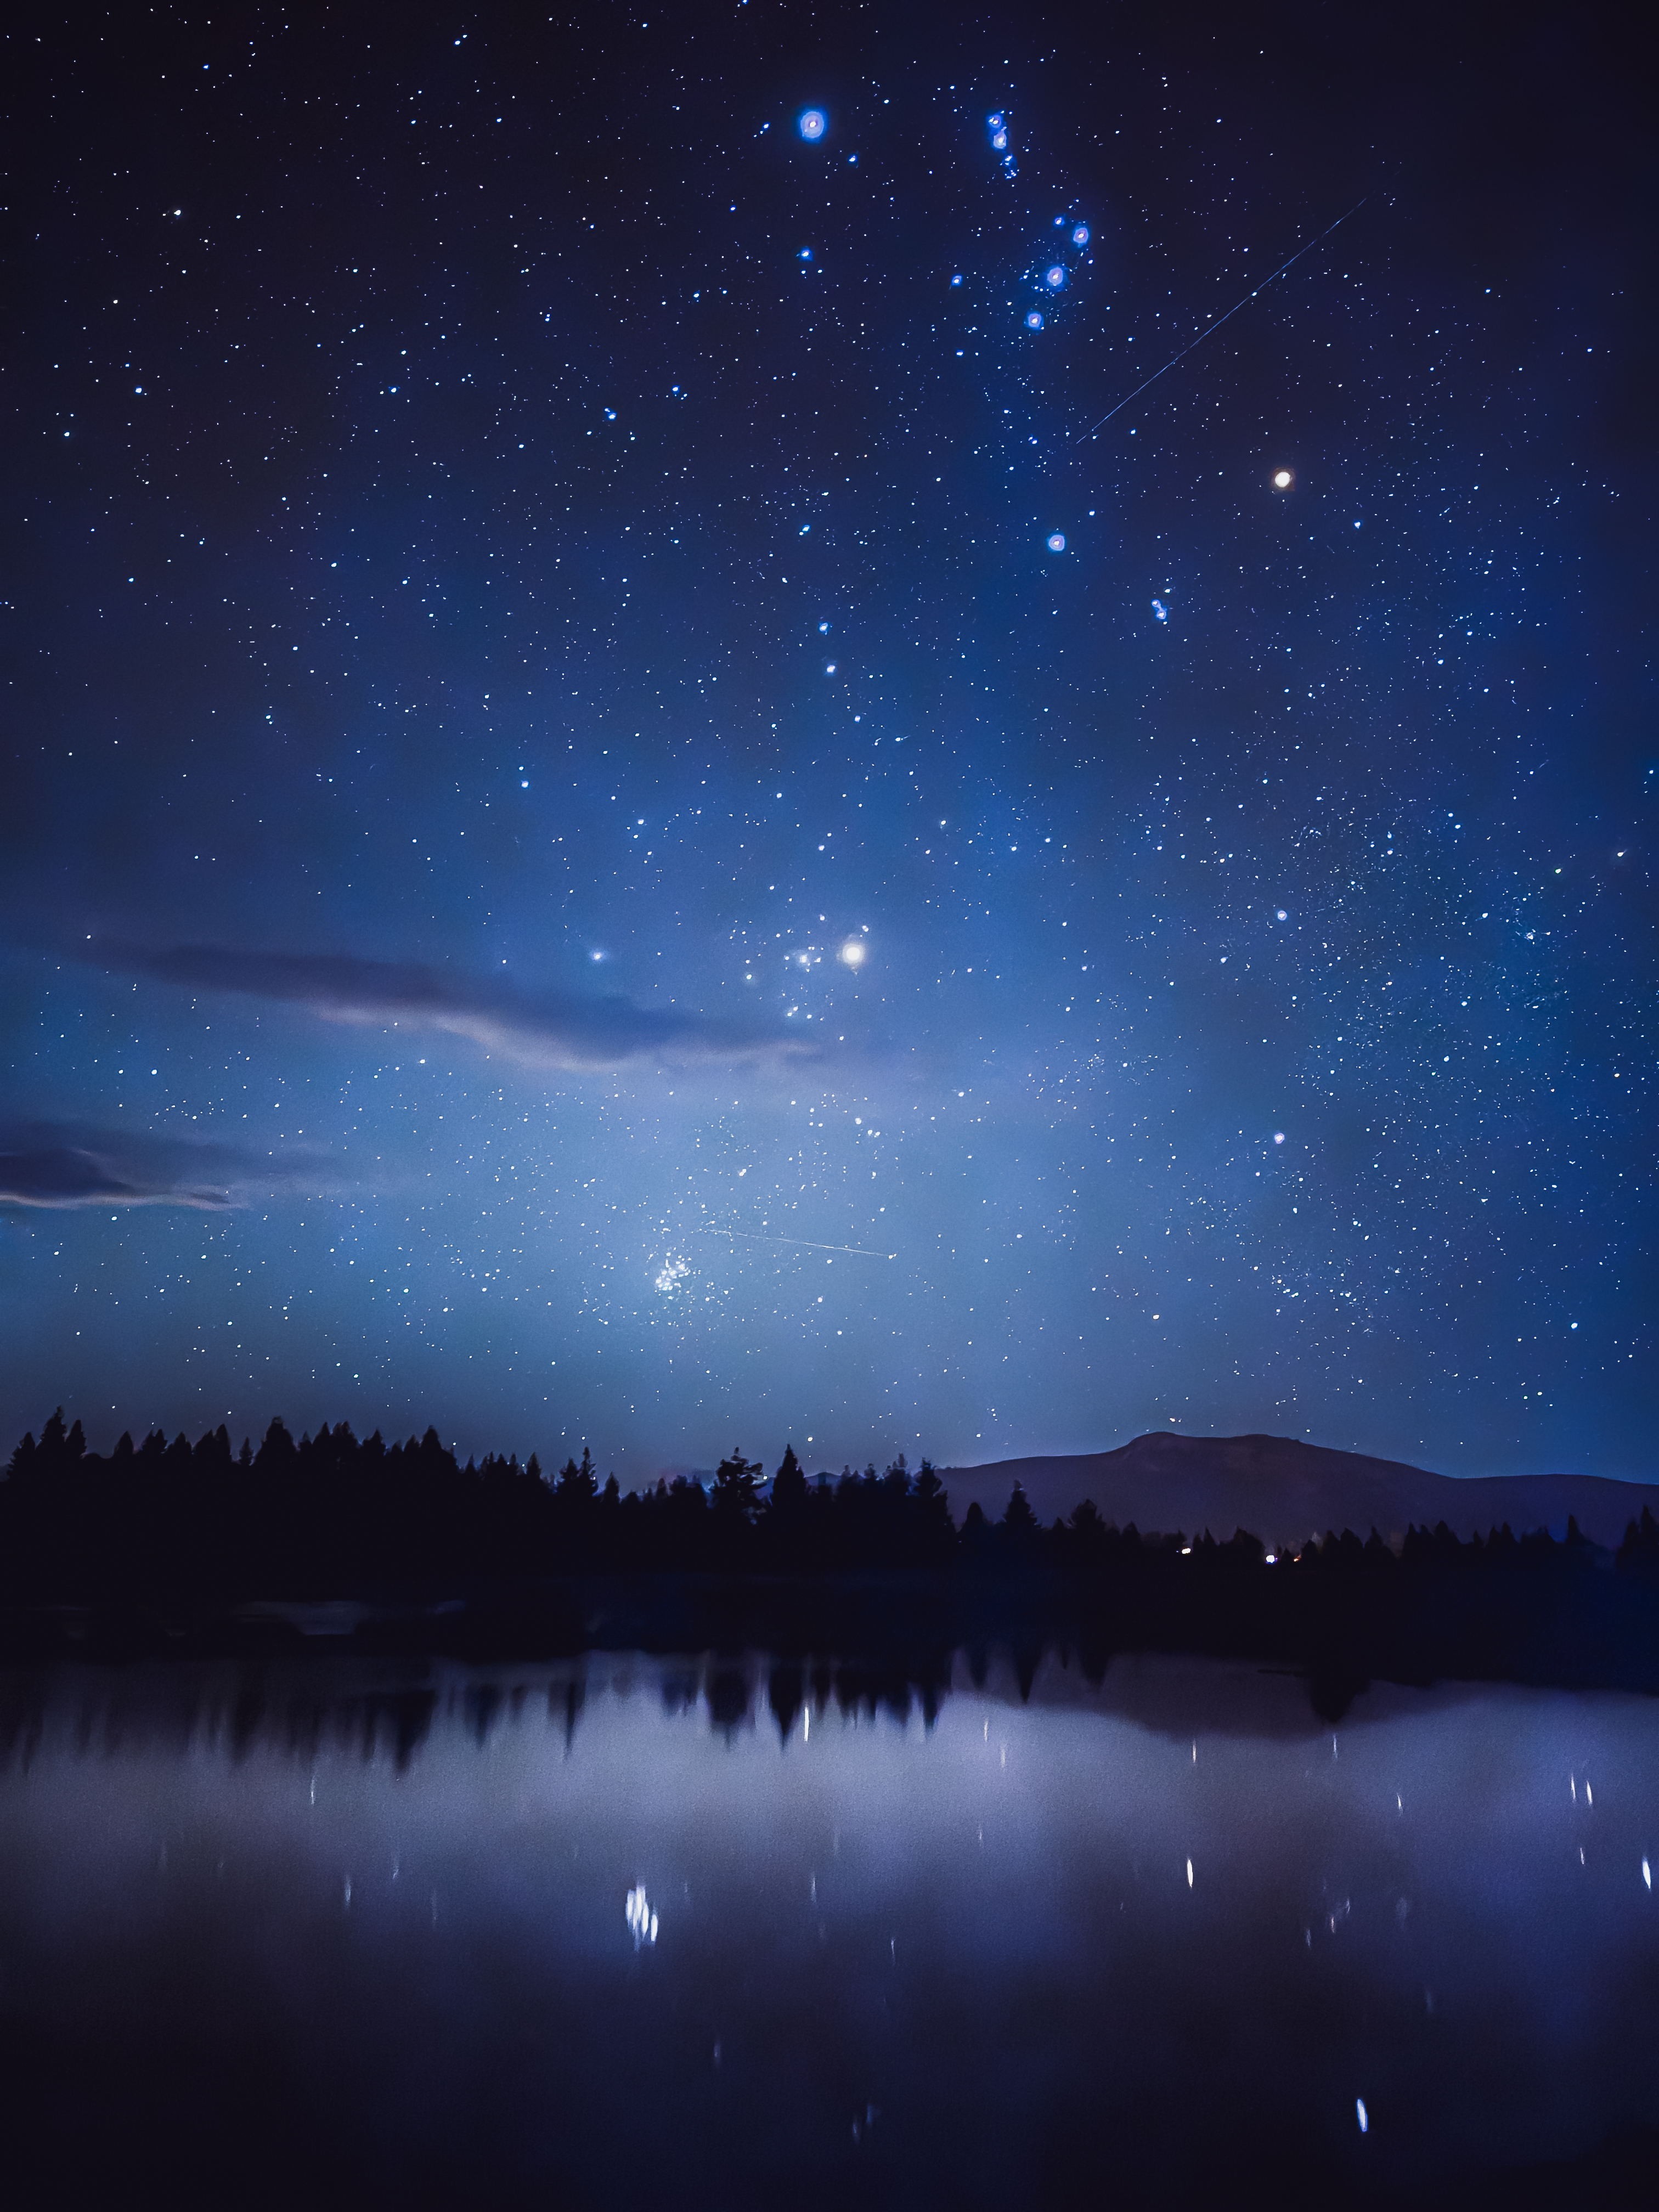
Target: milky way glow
<point x="433" y="807"/>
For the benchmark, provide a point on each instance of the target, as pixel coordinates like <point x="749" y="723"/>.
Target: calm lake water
<point x="633" y="1931"/>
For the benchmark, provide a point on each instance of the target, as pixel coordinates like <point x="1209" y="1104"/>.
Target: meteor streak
<point x="756" y="1237"/>
<point x="1212" y="327"/>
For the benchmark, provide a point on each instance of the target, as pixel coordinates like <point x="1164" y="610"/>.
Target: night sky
<point x="648" y="801"/>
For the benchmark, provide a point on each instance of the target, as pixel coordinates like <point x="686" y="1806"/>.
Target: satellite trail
<point x="757" y="1237"/>
<point x="1095" y="428"/>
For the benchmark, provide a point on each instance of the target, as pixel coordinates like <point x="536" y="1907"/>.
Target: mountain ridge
<point x="1284" y="1490"/>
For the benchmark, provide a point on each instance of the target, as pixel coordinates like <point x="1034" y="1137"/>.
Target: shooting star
<point x="1211" y="329"/>
<point x="756" y="1236"/>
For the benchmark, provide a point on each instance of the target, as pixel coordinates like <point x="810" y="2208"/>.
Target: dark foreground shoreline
<point x="1557" y="1616"/>
<point x="332" y="1545"/>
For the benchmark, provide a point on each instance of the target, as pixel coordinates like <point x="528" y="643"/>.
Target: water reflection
<point x="988" y="1930"/>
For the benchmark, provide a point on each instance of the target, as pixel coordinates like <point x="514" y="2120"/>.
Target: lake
<point x="707" y="1933"/>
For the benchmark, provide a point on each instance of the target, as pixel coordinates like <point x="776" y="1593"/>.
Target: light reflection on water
<point x="641" y="1930"/>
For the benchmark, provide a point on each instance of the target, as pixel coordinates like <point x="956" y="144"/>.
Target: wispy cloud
<point x="550" y="1030"/>
<point x="66" y="1164"/>
<point x="49" y="1164"/>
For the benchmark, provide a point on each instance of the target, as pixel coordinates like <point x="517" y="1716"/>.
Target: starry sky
<point x="906" y="727"/>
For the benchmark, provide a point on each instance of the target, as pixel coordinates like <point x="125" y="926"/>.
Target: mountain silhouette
<point x="1286" y="1491"/>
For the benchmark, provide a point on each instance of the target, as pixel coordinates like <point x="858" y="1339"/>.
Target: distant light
<point x="1283" y="479"/>
<point x="1056" y="541"/>
<point x="1055" y="277"/>
<point x="1280" y="916"/>
<point x="1647" y="1874"/>
<point x="813" y="123"/>
<point x="1033" y="320"/>
<point x="1278" y="1136"/>
<point x="956" y="280"/>
<point x="1363" y="2115"/>
<point x="1189" y="1873"/>
<point x="1080" y="234"/>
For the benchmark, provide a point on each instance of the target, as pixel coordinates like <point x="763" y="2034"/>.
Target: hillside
<point x="1286" y="1490"/>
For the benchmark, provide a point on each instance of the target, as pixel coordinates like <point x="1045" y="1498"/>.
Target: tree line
<point x="331" y="1515"/>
